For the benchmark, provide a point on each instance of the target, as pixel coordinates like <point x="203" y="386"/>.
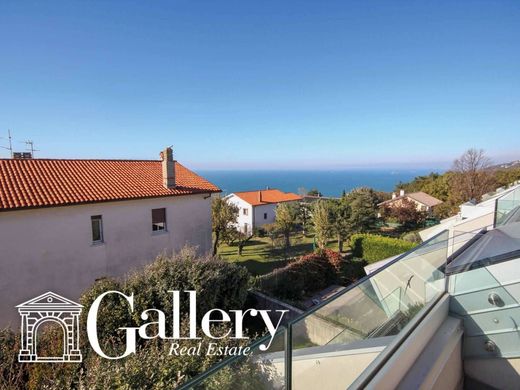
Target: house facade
<point x="258" y="208"/>
<point x="422" y="200"/>
<point x="66" y="223"/>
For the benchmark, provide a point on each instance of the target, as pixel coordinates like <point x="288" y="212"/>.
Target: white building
<point x="257" y="208"/>
<point x="65" y="223"/>
<point x="472" y="218"/>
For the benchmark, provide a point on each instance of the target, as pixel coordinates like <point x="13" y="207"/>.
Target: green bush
<point x="218" y="284"/>
<point x="372" y="247"/>
<point x="411" y="237"/>
<point x="12" y="374"/>
<point x="308" y="274"/>
<point x="151" y="367"/>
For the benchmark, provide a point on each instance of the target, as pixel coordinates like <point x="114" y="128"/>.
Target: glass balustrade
<point x="506" y="206"/>
<point x="331" y="345"/>
<point x="259" y="370"/>
<point x="335" y="343"/>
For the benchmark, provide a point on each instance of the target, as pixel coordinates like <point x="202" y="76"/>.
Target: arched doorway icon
<point x="49" y="307"/>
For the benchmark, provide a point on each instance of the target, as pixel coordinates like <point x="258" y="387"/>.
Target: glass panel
<point x="506" y="205"/>
<point x="259" y="370"/>
<point x="333" y="345"/>
<point x="487" y="299"/>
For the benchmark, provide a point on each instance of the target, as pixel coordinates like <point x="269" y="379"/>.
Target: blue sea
<point x="329" y="183"/>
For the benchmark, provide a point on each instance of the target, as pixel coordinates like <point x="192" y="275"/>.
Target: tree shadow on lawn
<point x="272" y="258"/>
<point x="256" y="268"/>
<point x="296" y="250"/>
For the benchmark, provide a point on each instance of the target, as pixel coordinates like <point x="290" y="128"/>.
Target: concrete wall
<point x="313" y="328"/>
<point x="328" y="366"/>
<point x="469" y="211"/>
<point x="265" y="302"/>
<point x="331" y="373"/>
<point x="51" y="248"/>
<point x="499" y="373"/>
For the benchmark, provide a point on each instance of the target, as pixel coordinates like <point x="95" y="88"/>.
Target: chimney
<point x="168" y="168"/>
<point x="394" y="195"/>
<point x="260" y="196"/>
<point x="401" y="192"/>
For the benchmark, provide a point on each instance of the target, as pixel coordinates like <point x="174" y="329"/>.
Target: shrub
<point x="412" y="237"/>
<point x="218" y="285"/>
<point x="405" y="212"/>
<point x="12" y="374"/>
<point x="310" y="273"/>
<point x="372" y="247"/>
<point x="151" y="367"/>
<point x="334" y="259"/>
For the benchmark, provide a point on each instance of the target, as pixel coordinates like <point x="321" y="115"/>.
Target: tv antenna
<point x="30" y="147"/>
<point x="10" y="139"/>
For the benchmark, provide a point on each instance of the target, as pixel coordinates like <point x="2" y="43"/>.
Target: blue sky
<point x="266" y="84"/>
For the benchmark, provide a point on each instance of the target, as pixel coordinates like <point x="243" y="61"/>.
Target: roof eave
<point x="2" y="210"/>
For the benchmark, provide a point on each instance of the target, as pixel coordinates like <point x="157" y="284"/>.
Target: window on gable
<point x="96" y="222"/>
<point x="158" y="219"/>
<point x="246" y="212"/>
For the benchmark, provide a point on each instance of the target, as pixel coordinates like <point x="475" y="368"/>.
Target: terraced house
<point x="65" y="223"/>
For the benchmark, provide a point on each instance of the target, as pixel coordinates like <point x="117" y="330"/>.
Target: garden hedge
<point x="310" y="273"/>
<point x="373" y="248"/>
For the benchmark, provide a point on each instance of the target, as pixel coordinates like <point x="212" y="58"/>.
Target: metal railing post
<point x="288" y="358"/>
<point x="496" y="213"/>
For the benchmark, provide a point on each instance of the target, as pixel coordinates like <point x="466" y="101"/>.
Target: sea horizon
<point x="328" y="182"/>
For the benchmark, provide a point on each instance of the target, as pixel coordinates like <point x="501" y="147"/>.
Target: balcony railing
<point x="345" y="340"/>
<point x="508" y="208"/>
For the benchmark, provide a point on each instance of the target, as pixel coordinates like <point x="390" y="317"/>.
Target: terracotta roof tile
<point x="46" y="182"/>
<point x="424" y="198"/>
<point x="257" y="198"/>
<point x="421" y="197"/>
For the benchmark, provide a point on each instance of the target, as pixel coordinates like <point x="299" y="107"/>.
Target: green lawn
<point x="260" y="257"/>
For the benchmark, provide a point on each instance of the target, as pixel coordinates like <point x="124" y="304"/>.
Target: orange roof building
<point x="65" y="223"/>
<point x="36" y="183"/>
<point x="263" y="197"/>
<point x="257" y="208"/>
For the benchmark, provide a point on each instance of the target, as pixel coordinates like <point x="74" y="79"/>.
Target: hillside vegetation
<point x="470" y="178"/>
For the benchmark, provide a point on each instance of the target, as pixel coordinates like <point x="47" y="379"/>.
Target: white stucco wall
<point x="50" y="249"/>
<point x="468" y="211"/>
<point x="244" y="222"/>
<point x="269" y="209"/>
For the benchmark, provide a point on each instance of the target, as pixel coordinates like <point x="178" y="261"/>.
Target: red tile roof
<point x="46" y="182"/>
<point x="257" y="198"/>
